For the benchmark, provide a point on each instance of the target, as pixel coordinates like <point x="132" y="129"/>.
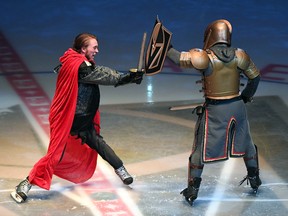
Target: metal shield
<point x="157" y="49"/>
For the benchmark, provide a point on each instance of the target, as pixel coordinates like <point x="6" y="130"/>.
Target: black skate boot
<point x="253" y="178"/>
<point x="191" y="192"/>
<point x="21" y="191"/>
<point x="124" y="175"/>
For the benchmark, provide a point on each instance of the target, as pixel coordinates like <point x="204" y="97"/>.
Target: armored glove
<point x="246" y="99"/>
<point x="133" y="76"/>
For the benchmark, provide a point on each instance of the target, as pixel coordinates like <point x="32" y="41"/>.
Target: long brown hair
<point x="82" y="40"/>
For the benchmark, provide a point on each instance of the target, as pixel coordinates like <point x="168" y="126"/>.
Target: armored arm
<point x="250" y="89"/>
<point x="250" y="70"/>
<point x="174" y="55"/>
<point x="195" y="58"/>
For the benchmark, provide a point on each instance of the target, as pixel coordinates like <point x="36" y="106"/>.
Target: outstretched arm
<point x="102" y="75"/>
<point x="98" y="75"/>
<point x="174" y="55"/>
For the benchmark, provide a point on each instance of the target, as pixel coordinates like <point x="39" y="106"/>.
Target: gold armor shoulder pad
<point x="243" y="60"/>
<point x="199" y="59"/>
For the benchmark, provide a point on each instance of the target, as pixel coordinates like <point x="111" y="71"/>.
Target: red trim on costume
<point x="225" y="150"/>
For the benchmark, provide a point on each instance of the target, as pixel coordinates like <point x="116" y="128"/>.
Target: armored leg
<point x="252" y="165"/>
<point x="195" y="165"/>
<point x="191" y="192"/>
<point x="194" y="180"/>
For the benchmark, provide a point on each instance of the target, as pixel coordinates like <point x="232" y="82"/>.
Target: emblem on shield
<point x="157" y="48"/>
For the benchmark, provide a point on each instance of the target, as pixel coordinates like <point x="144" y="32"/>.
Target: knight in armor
<point x="222" y="128"/>
<point x="75" y="139"/>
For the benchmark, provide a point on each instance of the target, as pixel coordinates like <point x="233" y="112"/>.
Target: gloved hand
<point x="133" y="76"/>
<point x="246" y="99"/>
<point x="136" y="76"/>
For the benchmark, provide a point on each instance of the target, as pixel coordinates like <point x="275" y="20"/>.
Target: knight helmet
<point x="219" y="31"/>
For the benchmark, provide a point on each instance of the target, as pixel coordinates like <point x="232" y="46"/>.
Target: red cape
<point x="66" y="156"/>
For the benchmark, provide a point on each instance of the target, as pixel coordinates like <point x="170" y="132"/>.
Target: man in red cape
<point x="75" y="140"/>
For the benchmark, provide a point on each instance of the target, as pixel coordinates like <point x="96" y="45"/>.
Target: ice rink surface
<point x="153" y="141"/>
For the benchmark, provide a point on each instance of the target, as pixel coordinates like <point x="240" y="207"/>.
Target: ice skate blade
<point x="190" y="201"/>
<point x="17" y="197"/>
<point x="255" y="191"/>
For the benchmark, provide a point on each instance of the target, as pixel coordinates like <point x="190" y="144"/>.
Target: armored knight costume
<point x="222" y="129"/>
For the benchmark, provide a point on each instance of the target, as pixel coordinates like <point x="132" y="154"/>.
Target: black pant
<point x="95" y="141"/>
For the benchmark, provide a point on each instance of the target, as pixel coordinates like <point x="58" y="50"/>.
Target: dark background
<point x="41" y="31"/>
